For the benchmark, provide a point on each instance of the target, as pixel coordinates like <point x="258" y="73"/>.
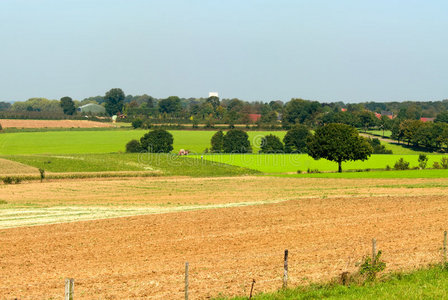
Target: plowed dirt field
<point x="327" y="226"/>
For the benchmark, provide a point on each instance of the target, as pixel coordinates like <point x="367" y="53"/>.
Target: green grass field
<point x="106" y="141"/>
<point x="422" y="284"/>
<point x="379" y="133"/>
<point x="285" y="163"/>
<point x="167" y="164"/>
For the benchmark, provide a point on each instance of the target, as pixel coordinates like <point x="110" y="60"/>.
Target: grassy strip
<point x="79" y="175"/>
<point x="428" y="283"/>
<point x="166" y="164"/>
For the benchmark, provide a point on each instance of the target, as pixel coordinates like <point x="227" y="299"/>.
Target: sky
<point x="350" y="51"/>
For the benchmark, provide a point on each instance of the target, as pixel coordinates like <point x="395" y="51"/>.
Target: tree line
<point x="146" y="110"/>
<point x="334" y="142"/>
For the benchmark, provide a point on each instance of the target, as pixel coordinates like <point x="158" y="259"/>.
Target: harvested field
<point x="8" y="167"/>
<point x="174" y="191"/>
<point x="12" y="123"/>
<point x="143" y="257"/>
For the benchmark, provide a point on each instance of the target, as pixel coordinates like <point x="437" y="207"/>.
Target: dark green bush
<point x="377" y="147"/>
<point x="444" y="162"/>
<point x="42" y="174"/>
<point x="422" y="161"/>
<point x="133" y="146"/>
<point x="8" y="180"/>
<point x="217" y="142"/>
<point x="401" y="164"/>
<point x="271" y="144"/>
<point x="137" y="123"/>
<point x="157" y="141"/>
<point x="372" y="266"/>
<point x="236" y="141"/>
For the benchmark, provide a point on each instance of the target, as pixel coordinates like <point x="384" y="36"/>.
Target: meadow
<point x="106" y="141"/>
<point x="291" y="163"/>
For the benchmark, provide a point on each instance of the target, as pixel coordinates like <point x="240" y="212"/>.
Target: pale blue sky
<point x="347" y="51"/>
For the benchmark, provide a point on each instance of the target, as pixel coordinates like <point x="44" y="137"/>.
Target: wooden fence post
<point x="186" y="280"/>
<point x="444" y="247"/>
<point x="69" y="288"/>
<point x="373" y="251"/>
<point x="252" y="289"/>
<point x="285" y="271"/>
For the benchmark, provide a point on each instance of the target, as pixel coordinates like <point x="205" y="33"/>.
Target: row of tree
<point x="213" y="110"/>
<point x="433" y="136"/>
<point x="334" y="142"/>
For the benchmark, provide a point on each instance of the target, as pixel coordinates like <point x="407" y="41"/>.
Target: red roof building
<point x="424" y="120"/>
<point x="254" y="117"/>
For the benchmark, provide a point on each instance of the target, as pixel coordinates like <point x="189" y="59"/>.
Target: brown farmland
<point x="8" y="123"/>
<point x="326" y="224"/>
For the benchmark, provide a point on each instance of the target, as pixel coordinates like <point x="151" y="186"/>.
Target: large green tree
<point x="442" y="117"/>
<point x="296" y="138"/>
<point x="236" y="141"/>
<point x="271" y="144"/>
<point x="338" y="143"/>
<point x="68" y="106"/>
<point x="299" y="111"/>
<point x="170" y="105"/>
<point x="157" y="141"/>
<point x="114" y="101"/>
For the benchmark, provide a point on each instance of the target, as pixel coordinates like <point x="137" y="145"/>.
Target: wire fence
<point x="282" y="280"/>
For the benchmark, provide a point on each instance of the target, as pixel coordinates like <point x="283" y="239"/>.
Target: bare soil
<point x="326" y="232"/>
<point x="7" y="123"/>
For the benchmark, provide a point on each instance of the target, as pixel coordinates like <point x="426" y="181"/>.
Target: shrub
<point x="8" y="180"/>
<point x="422" y="161"/>
<point x="133" y="146"/>
<point x="388" y="168"/>
<point x="236" y="141"/>
<point x="271" y="144"/>
<point x="1" y="128"/>
<point x="401" y="164"/>
<point x="17" y="180"/>
<point x="137" y="123"/>
<point x="371" y="267"/>
<point x="157" y="141"/>
<point x="42" y="174"/>
<point x="436" y="165"/>
<point x="444" y="162"/>
<point x="377" y="147"/>
<point x="217" y="141"/>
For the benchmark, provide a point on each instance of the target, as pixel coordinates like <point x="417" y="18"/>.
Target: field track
<point x="143" y="256"/>
<point x="8" y="123"/>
